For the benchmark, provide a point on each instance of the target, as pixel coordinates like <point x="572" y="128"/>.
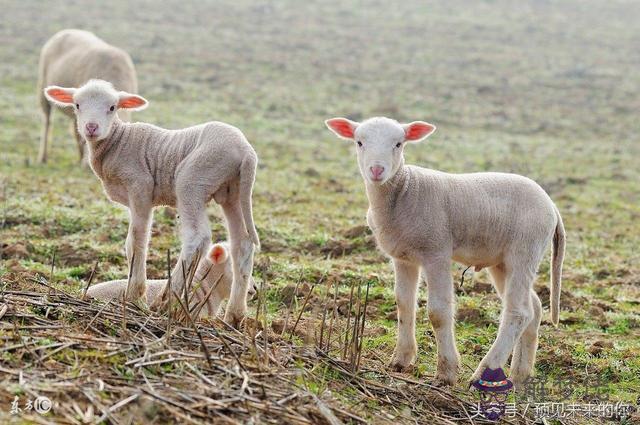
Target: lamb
<point x="425" y="219"/>
<point x="142" y="166"/>
<point x="212" y="283"/>
<point x="70" y="58"/>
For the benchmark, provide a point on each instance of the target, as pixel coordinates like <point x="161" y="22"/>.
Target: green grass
<point x="546" y="89"/>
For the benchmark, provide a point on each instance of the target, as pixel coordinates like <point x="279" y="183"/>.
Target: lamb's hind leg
<point x="524" y="353"/>
<point x="517" y="314"/>
<point x="241" y="260"/>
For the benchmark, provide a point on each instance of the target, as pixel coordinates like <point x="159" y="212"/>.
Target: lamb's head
<point x="379" y="143"/>
<point x="216" y="270"/>
<point x="95" y="105"/>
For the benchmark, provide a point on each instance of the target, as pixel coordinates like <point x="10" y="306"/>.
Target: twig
<point x="364" y="317"/>
<point x="346" y="336"/>
<point x="304" y="304"/>
<point x="86" y="288"/>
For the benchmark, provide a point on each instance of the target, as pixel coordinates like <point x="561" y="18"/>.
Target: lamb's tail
<point x="557" y="256"/>
<point x="247" y="178"/>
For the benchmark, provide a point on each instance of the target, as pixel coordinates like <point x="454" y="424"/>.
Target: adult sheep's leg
<point x="517" y="314"/>
<point x="46" y="132"/>
<point x="524" y="354"/>
<point x="80" y="143"/>
<point x="441" y="307"/>
<point x="406" y="289"/>
<point x="140" y="212"/>
<point x="241" y="261"/>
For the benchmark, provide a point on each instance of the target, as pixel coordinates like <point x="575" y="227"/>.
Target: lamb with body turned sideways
<point x="142" y="166"/>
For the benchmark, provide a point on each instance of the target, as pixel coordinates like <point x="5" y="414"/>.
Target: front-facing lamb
<point x="142" y="166"/>
<point x="425" y="219"/>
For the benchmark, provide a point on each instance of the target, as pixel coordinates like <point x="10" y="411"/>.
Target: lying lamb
<point x="142" y="166"/>
<point x="423" y="219"/>
<point x="72" y="57"/>
<point x="212" y="283"/>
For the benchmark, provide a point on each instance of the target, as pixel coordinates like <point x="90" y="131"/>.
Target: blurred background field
<point x="548" y="89"/>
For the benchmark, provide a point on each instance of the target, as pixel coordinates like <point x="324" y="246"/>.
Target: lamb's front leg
<point x="136" y="247"/>
<point x="196" y="237"/>
<point x="440" y="306"/>
<point x="406" y="297"/>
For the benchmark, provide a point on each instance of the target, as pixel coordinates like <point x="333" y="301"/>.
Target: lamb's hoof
<point x="491" y="380"/>
<point x="520" y="381"/>
<point x="440" y="383"/>
<point x="136" y="293"/>
<point x="234" y="320"/>
<point x="446" y="376"/>
<point x="445" y="380"/>
<point x="447" y="371"/>
<point x="142" y="304"/>
<point x="477" y="374"/>
<point x="400" y="367"/>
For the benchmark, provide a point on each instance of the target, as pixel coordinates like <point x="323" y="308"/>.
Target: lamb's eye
<point x="113" y="108"/>
<point x="359" y="143"/>
<point x="77" y="106"/>
<point x="398" y="144"/>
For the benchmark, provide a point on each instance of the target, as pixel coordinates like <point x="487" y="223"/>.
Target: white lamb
<point x="142" y="166"/>
<point x="425" y="219"/>
<point x="71" y="58"/>
<point x="212" y="281"/>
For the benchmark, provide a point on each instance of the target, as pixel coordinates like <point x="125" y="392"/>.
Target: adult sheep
<point x="71" y="58"/>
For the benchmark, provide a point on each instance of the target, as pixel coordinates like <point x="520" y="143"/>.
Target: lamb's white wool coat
<point x="211" y="284"/>
<point x="425" y="219"/>
<point x="142" y="166"/>
<point x="71" y="58"/>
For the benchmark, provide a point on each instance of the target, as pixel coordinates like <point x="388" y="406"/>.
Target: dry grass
<point x="117" y="361"/>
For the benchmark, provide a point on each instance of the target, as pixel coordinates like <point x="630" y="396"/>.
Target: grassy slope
<point x="546" y="89"/>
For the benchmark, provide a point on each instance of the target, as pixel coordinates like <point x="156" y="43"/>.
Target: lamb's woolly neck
<point x="383" y="197"/>
<point x="98" y="150"/>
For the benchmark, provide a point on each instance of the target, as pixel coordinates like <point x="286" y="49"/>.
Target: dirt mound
<point x="18" y="250"/>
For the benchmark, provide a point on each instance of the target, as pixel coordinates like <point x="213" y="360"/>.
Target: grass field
<point x="546" y="89"/>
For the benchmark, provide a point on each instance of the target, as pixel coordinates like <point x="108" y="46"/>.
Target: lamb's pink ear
<point x="342" y="127"/>
<point x="417" y="130"/>
<point x="60" y="96"/>
<point x="132" y="102"/>
<point x="218" y="254"/>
